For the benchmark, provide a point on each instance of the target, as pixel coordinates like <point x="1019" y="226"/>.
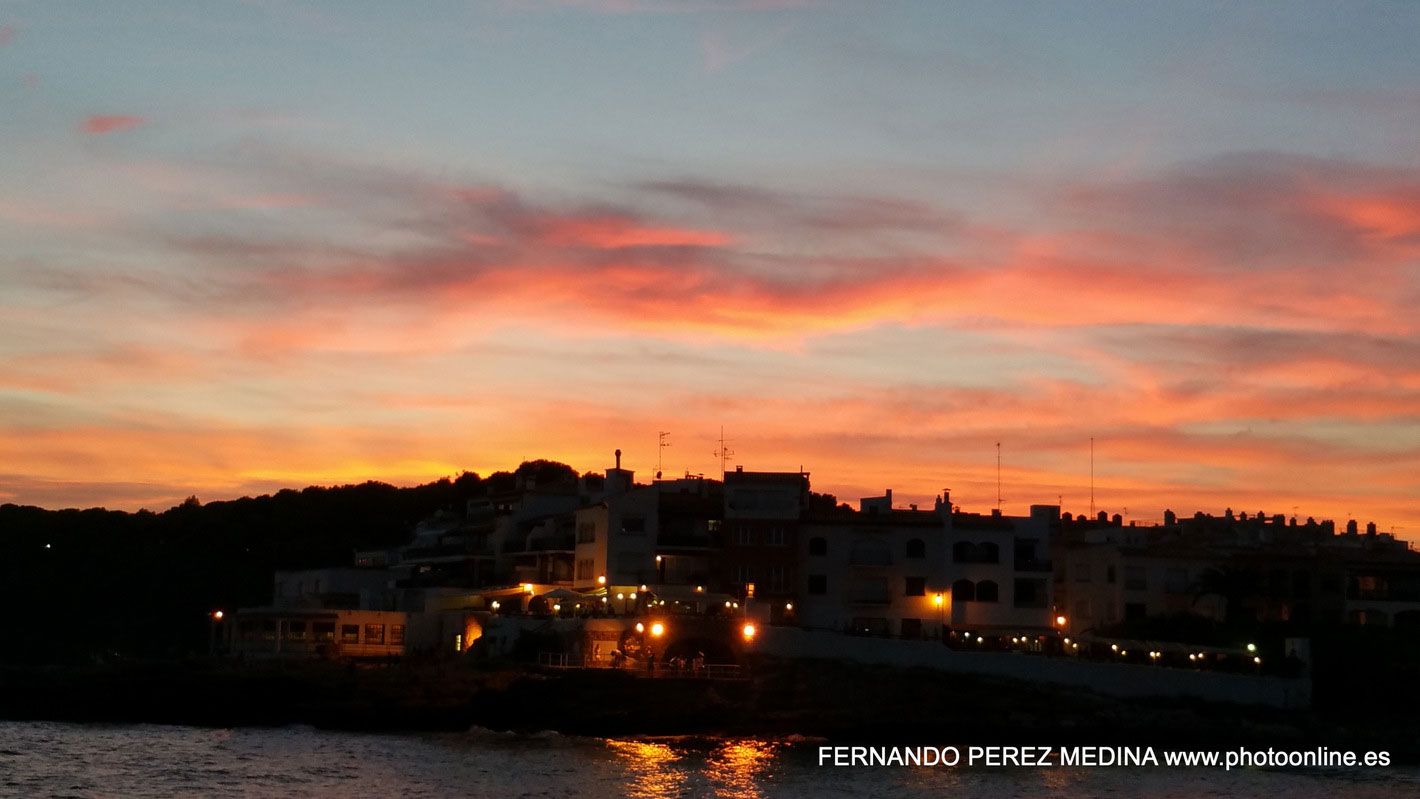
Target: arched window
<point x="916" y="548"/>
<point x="963" y="552"/>
<point x="988" y="552"/>
<point x="986" y="591"/>
<point x="963" y="591"/>
<point x="818" y="545"/>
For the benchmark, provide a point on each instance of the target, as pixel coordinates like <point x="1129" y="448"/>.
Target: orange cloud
<point x="109" y="123"/>
<point x="614" y="233"/>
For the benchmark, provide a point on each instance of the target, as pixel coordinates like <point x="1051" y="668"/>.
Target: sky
<point x="262" y="244"/>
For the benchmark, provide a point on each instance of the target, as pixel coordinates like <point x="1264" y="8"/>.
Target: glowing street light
<point x="657" y="629"/>
<point x="1252" y="647"/>
<point x="496" y="605"/>
<point x="528" y="587"/>
<point x="217" y="614"/>
<point x="640" y="628"/>
<point x="601" y="580"/>
<point x="748" y="632"/>
<point x="1060" y="621"/>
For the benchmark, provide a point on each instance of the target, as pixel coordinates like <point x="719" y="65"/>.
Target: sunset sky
<point x="246" y="246"/>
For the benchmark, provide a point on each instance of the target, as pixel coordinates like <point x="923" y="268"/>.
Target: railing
<point x="637" y="668"/>
<point x="445" y="551"/>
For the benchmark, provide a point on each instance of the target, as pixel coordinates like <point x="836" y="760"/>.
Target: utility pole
<point x="998" y="476"/>
<point x="1092" y="477"/>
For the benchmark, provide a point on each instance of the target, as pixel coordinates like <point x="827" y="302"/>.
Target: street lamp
<point x="216" y="617"/>
<point x="748" y="632"/>
<point x="657" y="629"/>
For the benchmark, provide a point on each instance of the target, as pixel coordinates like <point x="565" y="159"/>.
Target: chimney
<point x="618" y="459"/>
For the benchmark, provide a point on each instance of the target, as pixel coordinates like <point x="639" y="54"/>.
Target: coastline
<point x="833" y="701"/>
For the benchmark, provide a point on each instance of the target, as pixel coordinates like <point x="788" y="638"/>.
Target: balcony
<point x="1032" y="565"/>
<point x="684" y="542"/>
<point x="869" y="558"/>
<point x="456" y="551"/>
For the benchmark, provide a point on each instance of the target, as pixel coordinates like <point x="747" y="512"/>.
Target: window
<point x="777" y="537"/>
<point x="628" y="563"/>
<point x="1134" y="578"/>
<point x="349" y="633"/>
<point x="818" y="584"/>
<point x="744" y="573"/>
<point x="916" y="548"/>
<point x="1082" y="571"/>
<point x="986" y="591"/>
<point x="584" y="568"/>
<point x="743" y="535"/>
<point x="315" y="587"/>
<point x="989" y="552"/>
<point x="963" y="552"/>
<point x="911" y="628"/>
<point x="633" y="524"/>
<point x="295" y="631"/>
<point x="872" y="591"/>
<point x="397" y="634"/>
<point x="818" y="545"/>
<point x="587" y="533"/>
<point x="268" y="630"/>
<point x="323" y="630"/>
<point x="1109" y="574"/>
<point x="963" y="591"/>
<point x="916" y="586"/>
<point x="1030" y="593"/>
<point x="778" y="579"/>
<point x="374" y="633"/>
<point x="1176" y="580"/>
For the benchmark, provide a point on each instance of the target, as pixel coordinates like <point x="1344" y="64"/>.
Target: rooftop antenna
<point x="661" y="448"/>
<point x="723" y="453"/>
<point x="998" y="475"/>
<point x="1092" y="476"/>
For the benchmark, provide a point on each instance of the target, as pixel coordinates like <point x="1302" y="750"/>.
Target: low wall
<point x="1110" y="679"/>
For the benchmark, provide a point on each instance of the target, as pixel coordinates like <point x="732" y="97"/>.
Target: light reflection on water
<point x="99" y="761"/>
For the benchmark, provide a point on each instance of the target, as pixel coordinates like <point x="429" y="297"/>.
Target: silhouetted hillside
<point x="78" y="583"/>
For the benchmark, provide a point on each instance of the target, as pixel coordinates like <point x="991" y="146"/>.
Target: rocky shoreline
<point x="824" y="699"/>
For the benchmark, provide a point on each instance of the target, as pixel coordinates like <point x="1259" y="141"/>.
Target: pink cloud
<point x="99" y="124"/>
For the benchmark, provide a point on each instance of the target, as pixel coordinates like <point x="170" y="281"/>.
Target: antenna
<point x="662" y="443"/>
<point x="1092" y="477"/>
<point x="998" y="475"/>
<point x="723" y="453"/>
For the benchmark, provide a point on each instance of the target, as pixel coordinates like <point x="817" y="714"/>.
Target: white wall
<point x="1111" y="679"/>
